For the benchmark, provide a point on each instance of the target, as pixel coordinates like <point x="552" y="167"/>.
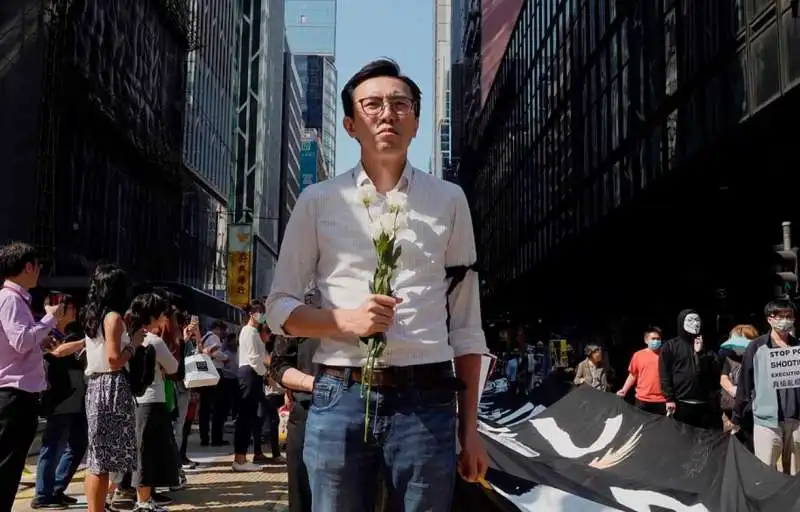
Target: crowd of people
<point x="108" y="378"/>
<point x="729" y="389"/>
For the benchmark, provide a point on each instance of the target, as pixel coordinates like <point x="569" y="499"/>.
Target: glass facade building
<point x="594" y="103"/>
<point x="292" y="139"/>
<point x="208" y="151"/>
<point x="259" y="124"/>
<point x="311" y="32"/>
<point x="311" y="27"/>
<point x="317" y="75"/>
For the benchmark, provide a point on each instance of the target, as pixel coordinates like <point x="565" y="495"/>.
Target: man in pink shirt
<point x="22" y="375"/>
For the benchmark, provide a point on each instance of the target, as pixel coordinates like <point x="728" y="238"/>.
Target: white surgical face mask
<point x="782" y="325"/>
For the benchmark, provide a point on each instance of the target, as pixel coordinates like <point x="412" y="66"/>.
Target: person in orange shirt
<point x="643" y="372"/>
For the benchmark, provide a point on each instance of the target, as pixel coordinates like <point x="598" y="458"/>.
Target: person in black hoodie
<point x="690" y="375"/>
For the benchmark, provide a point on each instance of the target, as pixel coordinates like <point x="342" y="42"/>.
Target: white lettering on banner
<point x="562" y="442"/>
<point x="509" y="441"/>
<point x="784" y="367"/>
<point x="642" y="501"/>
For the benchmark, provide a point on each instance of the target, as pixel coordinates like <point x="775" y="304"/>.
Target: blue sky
<point x="401" y="30"/>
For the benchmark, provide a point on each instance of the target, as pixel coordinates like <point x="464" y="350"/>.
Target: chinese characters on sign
<point x="239" y="263"/>
<point x="784" y="367"/>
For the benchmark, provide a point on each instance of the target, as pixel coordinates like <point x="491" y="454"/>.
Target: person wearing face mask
<point x="252" y="371"/>
<point x="643" y="372"/>
<point x="776" y="413"/>
<point x="689" y="375"/>
<point x="731" y="352"/>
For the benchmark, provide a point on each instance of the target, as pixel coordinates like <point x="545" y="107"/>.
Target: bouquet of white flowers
<point x="385" y="227"/>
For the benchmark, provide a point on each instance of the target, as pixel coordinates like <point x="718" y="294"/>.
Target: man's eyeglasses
<point x="373" y="106"/>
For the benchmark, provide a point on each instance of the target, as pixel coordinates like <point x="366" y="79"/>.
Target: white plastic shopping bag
<point x="200" y="372"/>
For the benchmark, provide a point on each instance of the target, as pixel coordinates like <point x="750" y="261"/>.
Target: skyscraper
<point x="208" y="150"/>
<point x="292" y="139"/>
<point x="258" y="140"/>
<point x="311" y="30"/>
<point x="441" y="88"/>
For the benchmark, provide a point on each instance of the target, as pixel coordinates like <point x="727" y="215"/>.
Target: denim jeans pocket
<point x="326" y="394"/>
<point x="436" y="398"/>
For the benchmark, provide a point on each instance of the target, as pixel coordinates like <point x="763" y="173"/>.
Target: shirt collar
<point x="362" y="178"/>
<point x="17" y="288"/>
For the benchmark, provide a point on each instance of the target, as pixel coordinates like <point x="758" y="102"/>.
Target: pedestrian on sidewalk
<point x="158" y="464"/>
<point x="292" y="367"/>
<point x="22" y="377"/>
<point x="252" y="371"/>
<point x="110" y="409"/>
<point x="66" y="433"/>
<point x="211" y="345"/>
<point x="410" y="433"/>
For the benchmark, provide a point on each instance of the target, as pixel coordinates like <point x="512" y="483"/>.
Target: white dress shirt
<point x="252" y="351"/>
<point x="328" y="242"/>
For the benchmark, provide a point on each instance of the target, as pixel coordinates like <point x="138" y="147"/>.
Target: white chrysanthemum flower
<point x="401" y="222"/>
<point x="386" y="221"/>
<point x="396" y="200"/>
<point x="367" y="194"/>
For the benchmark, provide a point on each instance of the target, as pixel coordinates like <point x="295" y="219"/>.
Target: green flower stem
<point x="375" y="345"/>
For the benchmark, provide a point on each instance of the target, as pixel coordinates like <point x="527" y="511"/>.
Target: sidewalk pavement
<point x="213" y="486"/>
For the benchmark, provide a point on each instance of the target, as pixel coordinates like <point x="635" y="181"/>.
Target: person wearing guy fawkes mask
<point x="689" y="375"/>
<point x="776" y="413"/>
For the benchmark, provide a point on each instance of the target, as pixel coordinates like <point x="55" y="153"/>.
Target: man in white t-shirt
<point x="211" y="344"/>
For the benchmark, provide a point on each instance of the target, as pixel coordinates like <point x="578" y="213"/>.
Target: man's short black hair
<point x="654" y="330"/>
<point x="778" y="307"/>
<point x="374" y="69"/>
<point x="219" y="324"/>
<point x="254" y="306"/>
<point x="14" y="257"/>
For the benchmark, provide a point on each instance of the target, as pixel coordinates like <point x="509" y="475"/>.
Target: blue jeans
<point x="412" y="445"/>
<point x="63" y="445"/>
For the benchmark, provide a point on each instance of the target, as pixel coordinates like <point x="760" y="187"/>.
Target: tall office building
<point x="292" y="139"/>
<point x="458" y="21"/>
<point x="608" y="125"/>
<point x="259" y="123"/>
<point x="91" y="134"/>
<point x="441" y="88"/>
<point x="208" y="151"/>
<point x="311" y="30"/>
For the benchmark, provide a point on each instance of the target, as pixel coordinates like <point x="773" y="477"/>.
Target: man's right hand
<point x="621" y="393"/>
<point x="671" y="406"/>
<point x="375" y="315"/>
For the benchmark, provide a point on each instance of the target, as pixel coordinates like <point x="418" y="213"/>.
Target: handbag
<point x="200" y="372"/>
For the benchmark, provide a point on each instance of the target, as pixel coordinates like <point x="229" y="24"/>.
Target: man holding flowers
<point x="376" y="241"/>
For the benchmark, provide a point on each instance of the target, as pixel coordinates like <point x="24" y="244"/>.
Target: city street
<point x="213" y="486"/>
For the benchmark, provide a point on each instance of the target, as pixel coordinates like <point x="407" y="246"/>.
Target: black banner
<point x="593" y="452"/>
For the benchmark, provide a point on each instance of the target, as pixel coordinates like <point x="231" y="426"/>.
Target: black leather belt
<point x="423" y="375"/>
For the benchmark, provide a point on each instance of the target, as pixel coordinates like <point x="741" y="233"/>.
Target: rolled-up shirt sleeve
<point x="466" y="329"/>
<point x="23" y="332"/>
<point x="297" y="262"/>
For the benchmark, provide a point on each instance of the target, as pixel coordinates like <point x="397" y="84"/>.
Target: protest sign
<point x="784" y="367"/>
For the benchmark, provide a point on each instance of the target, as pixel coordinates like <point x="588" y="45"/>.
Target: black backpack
<point x="142" y="369"/>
